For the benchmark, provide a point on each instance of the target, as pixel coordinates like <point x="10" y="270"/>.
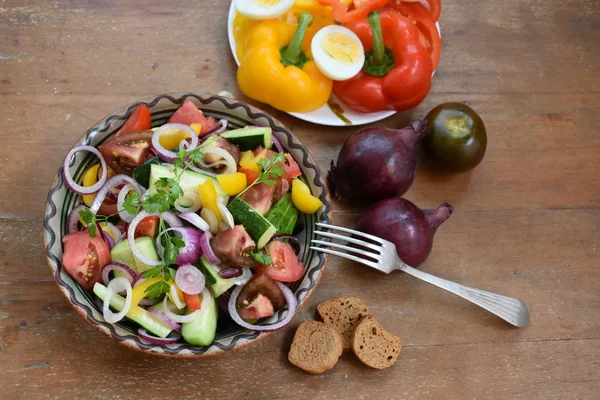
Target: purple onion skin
<point x="376" y="163"/>
<point x="406" y="225"/>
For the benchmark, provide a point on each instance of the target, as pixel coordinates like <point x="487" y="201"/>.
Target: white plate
<point x="323" y="115"/>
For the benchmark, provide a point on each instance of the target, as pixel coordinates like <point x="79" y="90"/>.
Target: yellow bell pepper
<point x="196" y="127"/>
<point x="302" y="199"/>
<point x="208" y="198"/>
<point x="172" y="138"/>
<point x="274" y="69"/>
<point x="321" y="14"/>
<point x="139" y="292"/>
<point x="233" y="183"/>
<point x="250" y="161"/>
<point x="90" y="178"/>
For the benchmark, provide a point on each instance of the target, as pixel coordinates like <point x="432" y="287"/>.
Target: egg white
<point x="253" y="9"/>
<point x="331" y="67"/>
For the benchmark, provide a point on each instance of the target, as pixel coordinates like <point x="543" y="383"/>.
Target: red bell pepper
<point x="397" y="70"/>
<point x="361" y="8"/>
<point x="418" y="10"/>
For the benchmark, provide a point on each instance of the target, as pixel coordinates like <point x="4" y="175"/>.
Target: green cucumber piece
<point x="257" y="226"/>
<point x="202" y="330"/>
<point x="142" y="173"/>
<point x="160" y="307"/>
<point x="249" y="138"/>
<point x="216" y="283"/>
<point x="189" y="180"/>
<point x="141" y="316"/>
<point x="122" y="253"/>
<point x="283" y="215"/>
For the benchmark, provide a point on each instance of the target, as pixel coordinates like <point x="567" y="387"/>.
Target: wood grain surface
<point x="527" y="220"/>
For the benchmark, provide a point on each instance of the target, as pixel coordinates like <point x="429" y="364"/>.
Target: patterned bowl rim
<point x="243" y="338"/>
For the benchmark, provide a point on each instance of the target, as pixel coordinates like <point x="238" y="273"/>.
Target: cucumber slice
<point x="190" y="180"/>
<point x="122" y="253"/>
<point x="136" y="314"/>
<point x="202" y="330"/>
<point x="142" y="173"/>
<point x="216" y="283"/>
<point x="257" y="226"/>
<point x="283" y="215"/>
<point x="249" y="138"/>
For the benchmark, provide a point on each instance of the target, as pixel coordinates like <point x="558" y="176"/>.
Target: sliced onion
<point x="116" y="233"/>
<point x="171" y="219"/>
<point x="192" y="250"/>
<point x="190" y="195"/>
<point x="229" y="273"/>
<point x="202" y="170"/>
<point x="211" y="219"/>
<point x="110" y="184"/>
<point x="182" y="319"/>
<point x="228" y="159"/>
<point x="291" y="302"/>
<point x="110" y="242"/>
<point x="175" y="298"/>
<point x="164" y="319"/>
<point x="69" y="179"/>
<point x="190" y="280"/>
<point x="225" y="214"/>
<point x="195" y="220"/>
<point x="120" y="267"/>
<point x="244" y="278"/>
<point x="207" y="249"/>
<point x="221" y="129"/>
<point x="277" y="144"/>
<point x="74" y="218"/>
<point x="172" y="338"/>
<point x="125" y="216"/>
<point x="145" y="302"/>
<point x="115" y="286"/>
<point x="139" y="278"/>
<point x="131" y="239"/>
<point x="168" y="155"/>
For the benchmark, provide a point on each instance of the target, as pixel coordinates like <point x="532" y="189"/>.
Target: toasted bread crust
<point x="316" y="347"/>
<point x="343" y="314"/>
<point x="373" y="345"/>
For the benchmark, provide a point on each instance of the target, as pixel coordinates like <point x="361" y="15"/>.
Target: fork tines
<point x="371" y="253"/>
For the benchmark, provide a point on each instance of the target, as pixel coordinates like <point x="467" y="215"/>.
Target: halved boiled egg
<point x="338" y="52"/>
<point x="263" y="9"/>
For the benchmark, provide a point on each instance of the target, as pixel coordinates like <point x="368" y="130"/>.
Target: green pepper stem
<point x="294" y="49"/>
<point x="379" y="56"/>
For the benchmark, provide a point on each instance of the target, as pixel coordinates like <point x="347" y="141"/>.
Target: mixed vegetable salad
<point x="374" y="55"/>
<point x="186" y="217"/>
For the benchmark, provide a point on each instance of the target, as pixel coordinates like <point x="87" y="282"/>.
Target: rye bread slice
<point x="316" y="347"/>
<point x="343" y="314"/>
<point x="373" y="345"/>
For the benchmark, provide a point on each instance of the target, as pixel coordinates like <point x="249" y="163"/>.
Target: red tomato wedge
<point x="189" y="114"/>
<point x="140" y="120"/>
<point x="192" y="301"/>
<point x="251" y="174"/>
<point x="147" y="227"/>
<point x="85" y="257"/>
<point x="285" y="266"/>
<point x="291" y="168"/>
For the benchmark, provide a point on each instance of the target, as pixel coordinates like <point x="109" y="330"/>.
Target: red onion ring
<point x="110" y="242"/>
<point x="195" y="220"/>
<point x="175" y="297"/>
<point x="243" y="278"/>
<point x="289" y="297"/>
<point x="190" y="280"/>
<point x="168" y="155"/>
<point x="69" y="179"/>
<point x="207" y="249"/>
<point x="164" y="319"/>
<point x="221" y="129"/>
<point x="115" y="286"/>
<point x="171" y="218"/>
<point x="171" y="339"/>
<point x="125" y="216"/>
<point x="74" y="218"/>
<point x="145" y="302"/>
<point x="137" y="279"/>
<point x="111" y="183"/>
<point x="131" y="239"/>
<point x="277" y="144"/>
<point x="118" y="236"/>
<point x="120" y="267"/>
<point x="229" y="273"/>
<point x="202" y="171"/>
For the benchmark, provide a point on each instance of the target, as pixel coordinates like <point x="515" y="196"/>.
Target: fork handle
<point x="509" y="309"/>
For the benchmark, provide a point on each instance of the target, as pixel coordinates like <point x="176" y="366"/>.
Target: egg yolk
<point x="341" y="47"/>
<point x="267" y="3"/>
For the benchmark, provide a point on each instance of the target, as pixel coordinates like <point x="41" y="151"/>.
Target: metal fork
<point x="383" y="257"/>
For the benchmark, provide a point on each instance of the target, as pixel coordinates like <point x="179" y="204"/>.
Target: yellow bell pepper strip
<point x="172" y="138"/>
<point x="90" y="178"/>
<point x="139" y="291"/>
<point x="276" y="71"/>
<point x="302" y="199"/>
<point x="250" y="161"/>
<point x="209" y="198"/>
<point x="196" y="127"/>
<point x="233" y="183"/>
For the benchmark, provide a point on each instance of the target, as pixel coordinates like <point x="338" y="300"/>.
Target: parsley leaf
<point x="158" y="202"/>
<point x="261" y="257"/>
<point x="89" y="218"/>
<point x="157" y="289"/>
<point x="132" y="202"/>
<point x="153" y="272"/>
<point x="269" y="171"/>
<point x="196" y="155"/>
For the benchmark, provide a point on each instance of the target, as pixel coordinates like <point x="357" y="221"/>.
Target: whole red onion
<point x="406" y="225"/>
<point x="376" y="163"/>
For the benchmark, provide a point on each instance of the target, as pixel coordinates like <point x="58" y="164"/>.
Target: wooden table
<point x="526" y="222"/>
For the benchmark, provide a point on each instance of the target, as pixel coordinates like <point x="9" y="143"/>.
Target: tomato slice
<point x="139" y="120"/>
<point x="291" y="168"/>
<point x="147" y="227"/>
<point x="251" y="174"/>
<point x="285" y="266"/>
<point x="188" y="114"/>
<point x="192" y="301"/>
<point x="84" y="258"/>
<point x="124" y="153"/>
